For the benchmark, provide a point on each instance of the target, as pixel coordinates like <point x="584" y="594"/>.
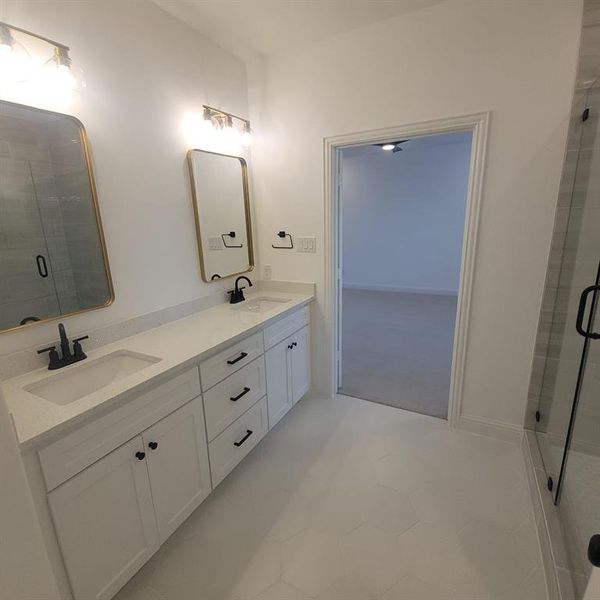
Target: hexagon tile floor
<point x="350" y="500"/>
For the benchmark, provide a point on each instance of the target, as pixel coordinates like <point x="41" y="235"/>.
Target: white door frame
<point x="478" y="124"/>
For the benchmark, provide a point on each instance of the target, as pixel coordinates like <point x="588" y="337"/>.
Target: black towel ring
<point x="283" y="234"/>
<point x="231" y="234"/>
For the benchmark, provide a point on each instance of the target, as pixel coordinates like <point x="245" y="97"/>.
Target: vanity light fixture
<point x="230" y="124"/>
<point x="388" y="146"/>
<point x="15" y="59"/>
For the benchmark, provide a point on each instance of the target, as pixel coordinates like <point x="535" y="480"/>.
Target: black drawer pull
<point x="249" y="432"/>
<point x="240" y="357"/>
<point x="153" y="445"/>
<point x="236" y="398"/>
<point x="140" y="455"/>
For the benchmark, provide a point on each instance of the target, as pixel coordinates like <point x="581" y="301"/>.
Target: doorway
<point x="398" y="339"/>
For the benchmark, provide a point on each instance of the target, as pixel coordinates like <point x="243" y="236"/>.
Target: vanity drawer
<point x="282" y="329"/>
<point x="230" y="399"/>
<point x="229" y="448"/>
<point x="230" y="360"/>
<point x="77" y="450"/>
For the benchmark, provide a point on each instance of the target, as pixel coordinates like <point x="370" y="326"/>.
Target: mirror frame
<point x="244" y="166"/>
<point x="92" y="182"/>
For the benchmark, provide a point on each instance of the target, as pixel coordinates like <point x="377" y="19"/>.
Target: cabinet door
<point x="300" y="364"/>
<point x="105" y="522"/>
<point x="177" y="458"/>
<point x="279" y="395"/>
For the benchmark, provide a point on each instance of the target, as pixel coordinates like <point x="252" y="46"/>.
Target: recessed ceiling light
<point x="388" y="146"/>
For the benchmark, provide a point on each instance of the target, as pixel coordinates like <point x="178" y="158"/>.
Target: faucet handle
<point x="53" y="356"/>
<point x="78" y="352"/>
<point x="48" y="349"/>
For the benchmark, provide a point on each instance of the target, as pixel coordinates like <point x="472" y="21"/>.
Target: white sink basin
<point x="262" y="304"/>
<point x="87" y="377"/>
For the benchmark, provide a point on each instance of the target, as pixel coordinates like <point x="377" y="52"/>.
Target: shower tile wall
<point x="572" y="266"/>
<point x="45" y="209"/>
<point x="558" y="348"/>
<point x="23" y="292"/>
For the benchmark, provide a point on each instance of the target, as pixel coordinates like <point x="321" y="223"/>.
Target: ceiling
<point x="271" y="26"/>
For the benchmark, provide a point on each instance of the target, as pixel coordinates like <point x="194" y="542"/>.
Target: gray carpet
<point x="397" y="349"/>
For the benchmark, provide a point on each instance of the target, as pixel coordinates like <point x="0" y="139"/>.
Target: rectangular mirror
<point x="53" y="258"/>
<point x="222" y="210"/>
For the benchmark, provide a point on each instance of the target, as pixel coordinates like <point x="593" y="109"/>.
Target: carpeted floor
<point x="397" y="349"/>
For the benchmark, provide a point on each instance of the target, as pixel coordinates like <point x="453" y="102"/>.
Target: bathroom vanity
<point x="121" y="448"/>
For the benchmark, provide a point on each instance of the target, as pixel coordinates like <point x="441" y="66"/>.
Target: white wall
<point x="146" y="72"/>
<point x="403" y="214"/>
<point x="25" y="572"/>
<point x="514" y="58"/>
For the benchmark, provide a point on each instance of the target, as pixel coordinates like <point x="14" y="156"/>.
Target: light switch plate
<point x="306" y="244"/>
<point x="215" y="243"/>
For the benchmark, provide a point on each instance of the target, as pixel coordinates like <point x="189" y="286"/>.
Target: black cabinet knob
<point x="153" y="445"/>
<point x="140" y="455"/>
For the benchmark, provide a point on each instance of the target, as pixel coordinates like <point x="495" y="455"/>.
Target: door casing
<point x="478" y="124"/>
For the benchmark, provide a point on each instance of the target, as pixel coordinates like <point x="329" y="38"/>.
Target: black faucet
<point x="64" y="343"/>
<point x="68" y="357"/>
<point x="237" y="294"/>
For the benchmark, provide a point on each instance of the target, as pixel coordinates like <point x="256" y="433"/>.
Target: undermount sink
<point x="86" y="378"/>
<point x="262" y="304"/>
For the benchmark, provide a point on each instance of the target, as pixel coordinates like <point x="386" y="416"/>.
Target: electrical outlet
<point x="267" y="272"/>
<point x="306" y="244"/>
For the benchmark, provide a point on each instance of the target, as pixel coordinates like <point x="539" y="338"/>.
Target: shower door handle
<point x="594" y="550"/>
<point x="581" y="313"/>
<point x="42" y="267"/>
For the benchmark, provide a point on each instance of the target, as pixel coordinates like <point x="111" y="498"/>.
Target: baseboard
<point x="546" y="519"/>
<point x="496" y="429"/>
<point x="376" y="287"/>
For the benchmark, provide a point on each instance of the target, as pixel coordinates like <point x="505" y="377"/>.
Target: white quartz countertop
<point x="179" y="345"/>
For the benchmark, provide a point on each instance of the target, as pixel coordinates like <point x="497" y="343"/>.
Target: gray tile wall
<point x="553" y="357"/>
<point x="46" y="208"/>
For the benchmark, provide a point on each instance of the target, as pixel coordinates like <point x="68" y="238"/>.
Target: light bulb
<point x="60" y="72"/>
<point x="388" y="147"/>
<point x="246" y="135"/>
<point x="14" y="59"/>
<point x="229" y="133"/>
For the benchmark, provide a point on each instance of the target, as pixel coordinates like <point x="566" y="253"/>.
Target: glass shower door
<point x="568" y="428"/>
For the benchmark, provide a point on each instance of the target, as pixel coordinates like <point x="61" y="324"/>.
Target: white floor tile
<point x="371" y="558"/>
<point x="350" y="500"/>
<point x="311" y="561"/>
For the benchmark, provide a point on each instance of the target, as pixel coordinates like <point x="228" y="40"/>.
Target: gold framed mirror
<point x="53" y="258"/>
<point x="221" y="203"/>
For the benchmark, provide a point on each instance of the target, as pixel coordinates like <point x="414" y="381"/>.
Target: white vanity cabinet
<point x="118" y="485"/>
<point x="112" y="517"/>
<point x="177" y="463"/>
<point x="288" y="373"/>
<point x="105" y="522"/>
